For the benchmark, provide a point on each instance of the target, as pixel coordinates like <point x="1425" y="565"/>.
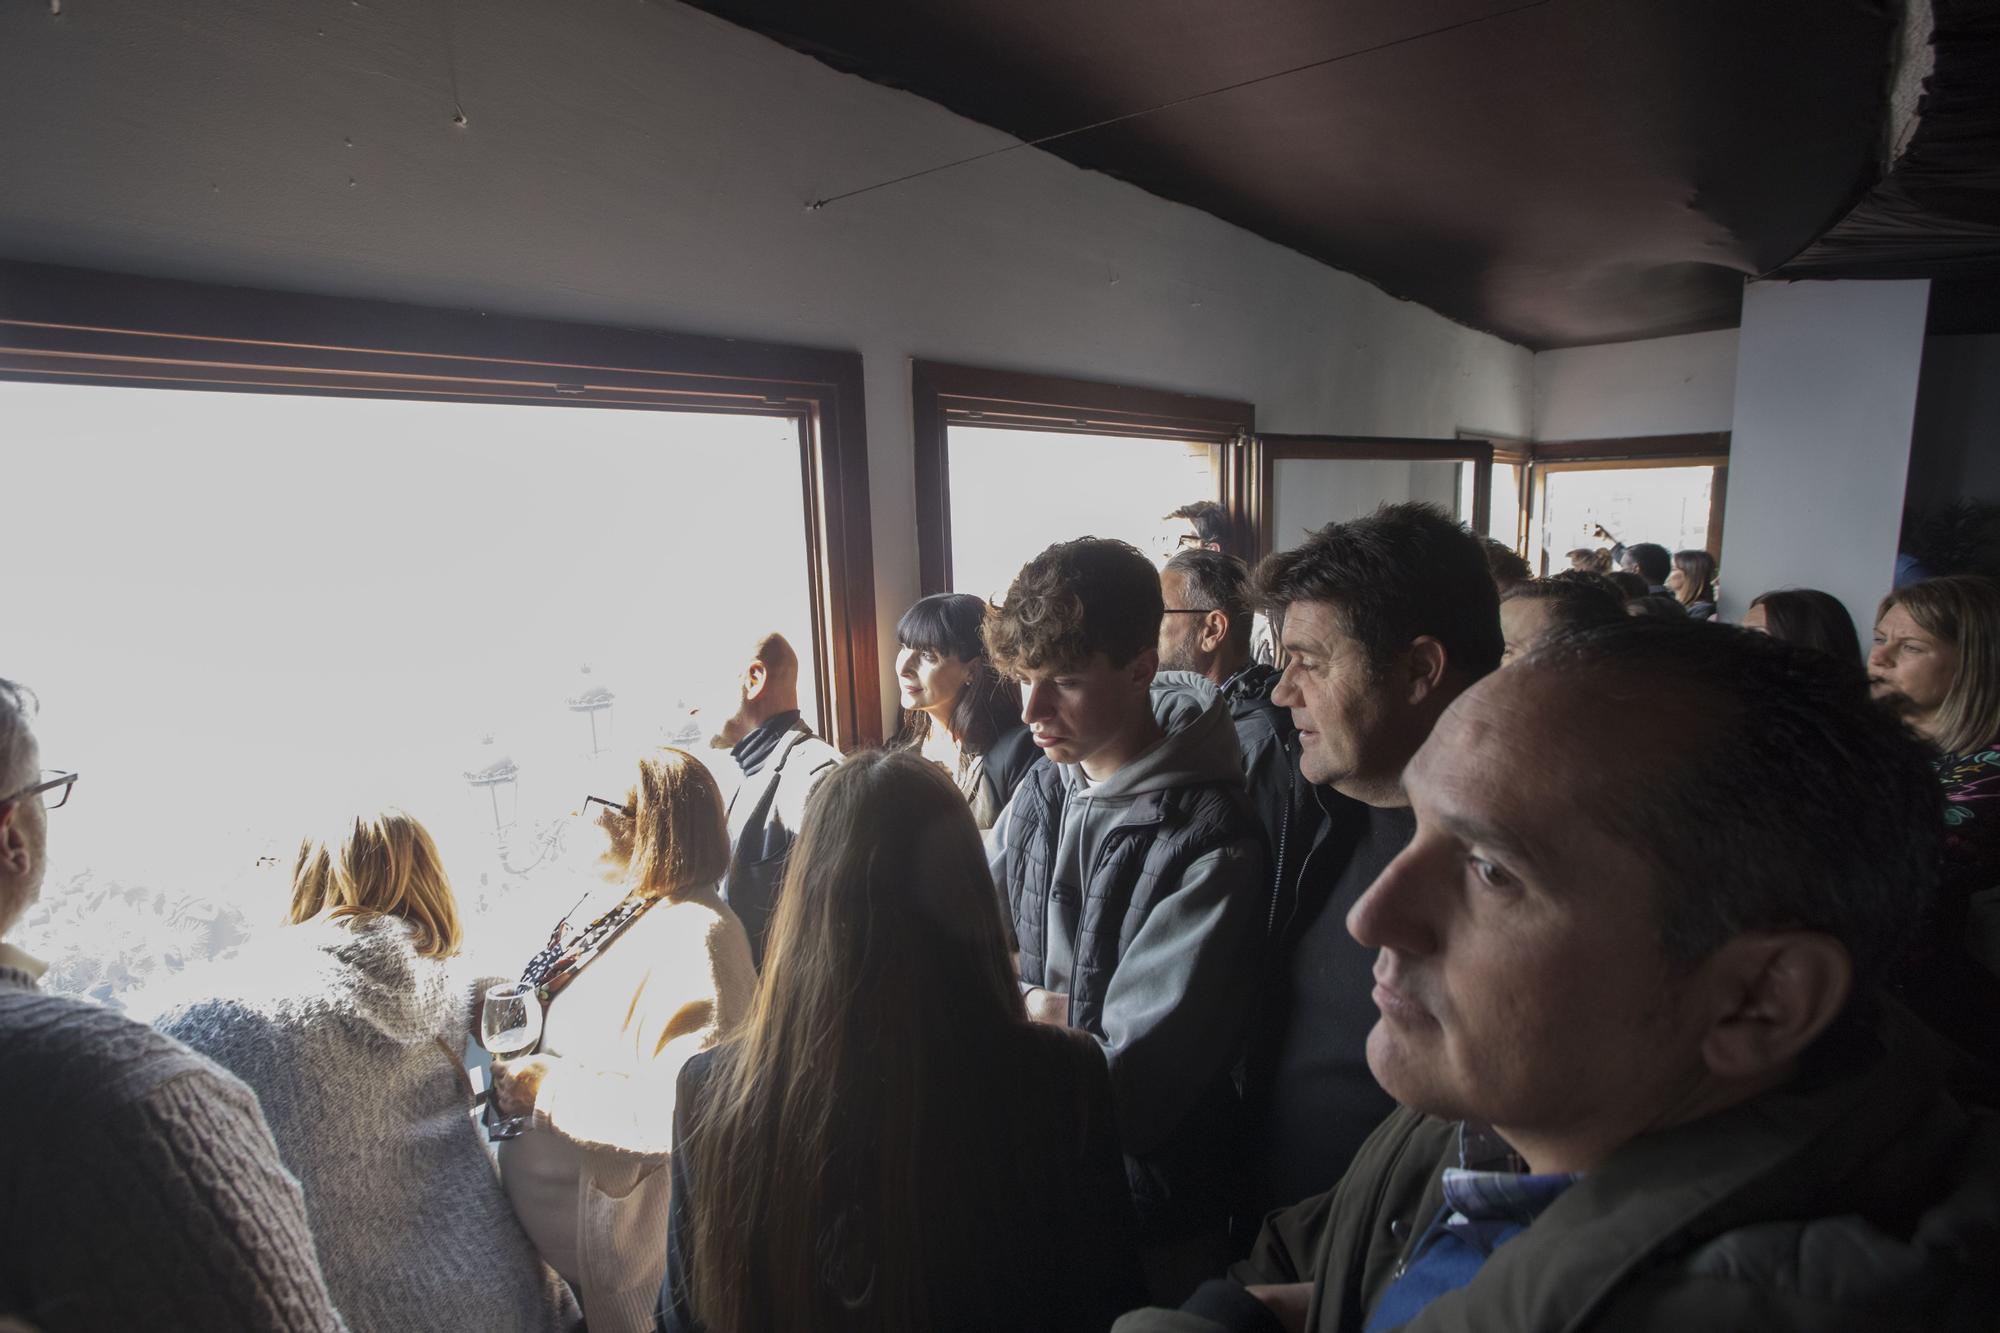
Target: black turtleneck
<point x="753" y="751"/>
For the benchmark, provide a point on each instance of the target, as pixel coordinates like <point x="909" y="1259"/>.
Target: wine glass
<point x="510" y="1024"/>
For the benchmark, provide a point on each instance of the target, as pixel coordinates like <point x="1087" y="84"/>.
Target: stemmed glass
<point x="510" y="1024"/>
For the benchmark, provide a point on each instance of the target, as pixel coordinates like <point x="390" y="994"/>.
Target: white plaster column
<point x="1826" y="391"/>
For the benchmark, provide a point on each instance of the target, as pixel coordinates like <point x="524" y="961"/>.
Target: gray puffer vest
<point x="1141" y="861"/>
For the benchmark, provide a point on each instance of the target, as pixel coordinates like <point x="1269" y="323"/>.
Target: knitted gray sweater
<point x="337" y="1026"/>
<point x="139" y="1187"/>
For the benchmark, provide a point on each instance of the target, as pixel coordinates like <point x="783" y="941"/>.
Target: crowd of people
<point x="1382" y="937"/>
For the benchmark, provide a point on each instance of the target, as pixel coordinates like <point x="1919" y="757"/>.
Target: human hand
<point x="517" y="1083"/>
<point x="1047" y="1006"/>
<point x="1286" y="1303"/>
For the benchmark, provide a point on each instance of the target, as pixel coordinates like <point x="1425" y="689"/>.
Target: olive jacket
<point x="1864" y="1195"/>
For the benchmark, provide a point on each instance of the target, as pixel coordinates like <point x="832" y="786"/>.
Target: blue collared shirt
<point x="1490" y="1197"/>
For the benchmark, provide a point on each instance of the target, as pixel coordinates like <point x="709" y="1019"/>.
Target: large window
<point x="1664" y="489"/>
<point x="1310" y="481"/>
<point x="1008" y="464"/>
<point x="248" y="613"/>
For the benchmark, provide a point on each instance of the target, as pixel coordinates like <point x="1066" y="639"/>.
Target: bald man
<point x="781" y="761"/>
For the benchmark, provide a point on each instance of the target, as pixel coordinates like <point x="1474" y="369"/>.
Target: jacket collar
<point x="1678" y="1188"/>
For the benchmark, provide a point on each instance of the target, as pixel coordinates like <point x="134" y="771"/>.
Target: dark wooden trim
<point x="943" y="395"/>
<point x="1709" y="445"/>
<point x="1718" y="500"/>
<point x="1269" y="450"/>
<point x="64" y="325"/>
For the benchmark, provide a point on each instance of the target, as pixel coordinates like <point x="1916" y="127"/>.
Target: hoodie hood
<point x="1200" y="745"/>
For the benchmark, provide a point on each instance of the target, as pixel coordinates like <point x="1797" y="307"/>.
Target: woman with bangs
<point x="890" y="1145"/>
<point x="957" y="712"/>
<point x="1937" y="653"/>
<point x="347" y="1026"/>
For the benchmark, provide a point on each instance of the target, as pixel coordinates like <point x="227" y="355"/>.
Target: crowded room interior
<point x="1216" y="667"/>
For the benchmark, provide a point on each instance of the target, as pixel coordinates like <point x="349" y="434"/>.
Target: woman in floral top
<point x="1937" y="647"/>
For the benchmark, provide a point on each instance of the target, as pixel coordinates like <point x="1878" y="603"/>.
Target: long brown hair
<point x="855" y="1124"/>
<point x="1964" y="611"/>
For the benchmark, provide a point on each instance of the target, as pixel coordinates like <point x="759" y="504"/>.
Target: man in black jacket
<point x="1385" y="621"/>
<point x="1206" y="632"/>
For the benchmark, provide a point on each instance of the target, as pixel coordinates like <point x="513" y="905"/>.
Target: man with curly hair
<point x="1133" y="869"/>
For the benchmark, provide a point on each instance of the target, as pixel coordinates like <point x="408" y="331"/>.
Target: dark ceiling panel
<point x="1581" y="171"/>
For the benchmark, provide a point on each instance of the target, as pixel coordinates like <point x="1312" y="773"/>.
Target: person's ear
<point x="755" y="679"/>
<point x="1773" y="995"/>
<point x="1425" y="663"/>
<point x="1144" y="667"/>
<point x="1214" y="629"/>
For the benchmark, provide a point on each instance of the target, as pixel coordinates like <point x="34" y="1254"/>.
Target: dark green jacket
<point x="1860" y="1197"/>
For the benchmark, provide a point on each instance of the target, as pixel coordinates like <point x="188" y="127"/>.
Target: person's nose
<point x="1395" y="911"/>
<point x="1037" y="699"/>
<point x="1285" y="694"/>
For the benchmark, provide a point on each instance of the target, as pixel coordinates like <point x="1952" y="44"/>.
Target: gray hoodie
<point x="1201" y="943"/>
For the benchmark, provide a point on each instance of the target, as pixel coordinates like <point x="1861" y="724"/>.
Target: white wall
<point x="645" y="164"/>
<point x="1660" y="386"/>
<point x="1826" y="393"/>
<point x="1955" y="454"/>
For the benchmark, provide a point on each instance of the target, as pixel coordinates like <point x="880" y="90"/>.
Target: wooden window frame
<point x="1706" y="449"/>
<point x="76" y="326"/>
<point x="1268" y="450"/>
<point x="943" y="395"/>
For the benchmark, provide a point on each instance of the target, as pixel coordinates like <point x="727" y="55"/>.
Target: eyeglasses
<point x="1190" y="610"/>
<point x="619" y="806"/>
<point x="53" y="780"/>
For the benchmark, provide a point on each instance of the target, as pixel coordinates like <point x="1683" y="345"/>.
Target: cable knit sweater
<point x="337" y="1026"/>
<point x="139" y="1186"/>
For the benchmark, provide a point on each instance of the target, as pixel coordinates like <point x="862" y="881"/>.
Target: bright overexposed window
<point x="1666" y="505"/>
<point x="1309" y="493"/>
<point x="1016" y="492"/>
<point x="247" y="614"/>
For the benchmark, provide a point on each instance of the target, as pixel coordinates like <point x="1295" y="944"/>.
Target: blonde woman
<point x="660" y="970"/>
<point x="1937" y="652"/>
<point x="347" y="1027"/>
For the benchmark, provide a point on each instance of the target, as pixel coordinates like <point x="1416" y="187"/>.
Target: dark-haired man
<point x="1648" y="1081"/>
<point x="1386" y="620"/>
<point x="1200" y="526"/>
<point x="1571" y="601"/>
<point x="1133" y="870"/>
<point x="1205" y="632"/>
<point x="1651" y="562"/>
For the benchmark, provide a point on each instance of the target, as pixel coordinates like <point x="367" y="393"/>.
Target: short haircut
<point x="17" y="708"/>
<point x="1404" y="571"/>
<point x="774" y="650"/>
<point x="1209" y="520"/>
<point x="378" y="865"/>
<point x="680" y="828"/>
<point x="1073" y="601"/>
<point x="1656" y="606"/>
<point x="1811" y="619"/>
<point x="1964" y="611"/>
<point x="1740" y="843"/>
<point x="1219" y="580"/>
<point x="1577" y="599"/>
<point x="1506" y="564"/>
<point x="1651" y="559"/>
<point x="1628" y="583"/>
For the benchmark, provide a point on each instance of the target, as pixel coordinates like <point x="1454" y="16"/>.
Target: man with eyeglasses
<point x="1205" y="634"/>
<point x="140" y="1187"/>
